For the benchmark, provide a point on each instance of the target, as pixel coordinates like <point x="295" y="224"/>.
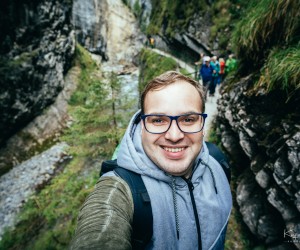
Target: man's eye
<point x="190" y="119"/>
<point x="157" y="121"/>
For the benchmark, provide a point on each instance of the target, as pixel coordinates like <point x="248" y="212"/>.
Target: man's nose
<point x="174" y="133"/>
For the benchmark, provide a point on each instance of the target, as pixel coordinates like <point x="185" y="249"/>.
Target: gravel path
<point x="211" y="111"/>
<point x="20" y="183"/>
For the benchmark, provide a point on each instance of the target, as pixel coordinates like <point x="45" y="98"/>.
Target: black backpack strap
<point x="142" y="217"/>
<point x="107" y="166"/>
<point x="215" y="152"/>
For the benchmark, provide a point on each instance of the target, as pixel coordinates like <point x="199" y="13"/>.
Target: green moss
<point x="152" y="65"/>
<point x="15" y="65"/>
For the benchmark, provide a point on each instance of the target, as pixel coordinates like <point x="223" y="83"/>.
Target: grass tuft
<point x="281" y="70"/>
<point x="267" y="24"/>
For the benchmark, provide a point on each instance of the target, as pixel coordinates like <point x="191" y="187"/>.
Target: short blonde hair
<point x="166" y="79"/>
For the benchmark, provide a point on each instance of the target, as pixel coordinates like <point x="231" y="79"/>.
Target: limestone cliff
<point x="36" y="48"/>
<point x="107" y="28"/>
<point x="89" y="22"/>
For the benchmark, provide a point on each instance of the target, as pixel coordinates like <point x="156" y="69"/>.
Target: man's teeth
<point x="173" y="150"/>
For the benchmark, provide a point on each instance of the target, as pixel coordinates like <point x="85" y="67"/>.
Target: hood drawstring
<point x="175" y="206"/>
<point x="212" y="175"/>
<point x="175" y="199"/>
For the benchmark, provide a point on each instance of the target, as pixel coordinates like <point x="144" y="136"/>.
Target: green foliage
<point x="185" y="72"/>
<point x="152" y="65"/>
<point x="267" y="44"/>
<point x="281" y="70"/>
<point x="220" y="17"/>
<point x="137" y="10"/>
<point x="267" y="24"/>
<point x="225" y="14"/>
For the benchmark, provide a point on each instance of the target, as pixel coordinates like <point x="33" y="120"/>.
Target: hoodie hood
<point x="132" y="156"/>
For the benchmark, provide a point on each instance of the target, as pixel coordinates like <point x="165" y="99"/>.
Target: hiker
<point x="189" y="192"/>
<point x="215" y="75"/>
<point x="231" y="64"/>
<point x="206" y="72"/>
<point x="222" y="70"/>
<point x="152" y="42"/>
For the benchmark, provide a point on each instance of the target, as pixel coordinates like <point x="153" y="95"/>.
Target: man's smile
<point x="173" y="150"/>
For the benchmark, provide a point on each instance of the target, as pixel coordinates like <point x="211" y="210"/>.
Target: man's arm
<point x="104" y="221"/>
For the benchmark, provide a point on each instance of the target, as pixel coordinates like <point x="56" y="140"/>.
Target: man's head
<point x="214" y="58"/>
<point x="174" y="149"/>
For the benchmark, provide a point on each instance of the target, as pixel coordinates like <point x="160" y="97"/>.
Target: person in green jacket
<point x="231" y="64"/>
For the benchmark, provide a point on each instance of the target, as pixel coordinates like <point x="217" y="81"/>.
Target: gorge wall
<point x="37" y="44"/>
<point x="261" y="134"/>
<point x="36" y="47"/>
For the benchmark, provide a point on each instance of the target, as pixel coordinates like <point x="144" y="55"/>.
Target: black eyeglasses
<point x="188" y="123"/>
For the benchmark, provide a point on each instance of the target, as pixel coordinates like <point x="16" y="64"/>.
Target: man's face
<point x="173" y="151"/>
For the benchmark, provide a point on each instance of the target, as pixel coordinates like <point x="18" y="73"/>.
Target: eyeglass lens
<point x="190" y="123"/>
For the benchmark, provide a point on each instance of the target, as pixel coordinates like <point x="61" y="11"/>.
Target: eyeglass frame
<point x="143" y="117"/>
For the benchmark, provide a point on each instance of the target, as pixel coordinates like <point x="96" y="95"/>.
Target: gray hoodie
<point x="174" y="224"/>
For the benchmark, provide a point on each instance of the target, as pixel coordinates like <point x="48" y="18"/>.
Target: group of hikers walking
<point x="213" y="71"/>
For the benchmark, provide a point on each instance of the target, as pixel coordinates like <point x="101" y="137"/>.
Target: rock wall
<point x="89" y="24"/>
<point x="196" y="37"/>
<point x="107" y="28"/>
<point x="261" y="133"/>
<point x="43" y="131"/>
<point x="142" y="8"/>
<point x="36" y="47"/>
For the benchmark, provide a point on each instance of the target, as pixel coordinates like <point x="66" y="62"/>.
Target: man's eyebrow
<point x="156" y="113"/>
<point x="184" y="113"/>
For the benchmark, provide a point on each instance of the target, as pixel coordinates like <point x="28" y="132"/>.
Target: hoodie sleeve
<point x="104" y="221"/>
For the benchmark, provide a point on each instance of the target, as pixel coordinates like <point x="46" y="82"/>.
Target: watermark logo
<point x="291" y="235"/>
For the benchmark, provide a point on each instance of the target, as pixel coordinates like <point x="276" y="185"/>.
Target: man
<point x="206" y="73"/>
<point x="189" y="192"/>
